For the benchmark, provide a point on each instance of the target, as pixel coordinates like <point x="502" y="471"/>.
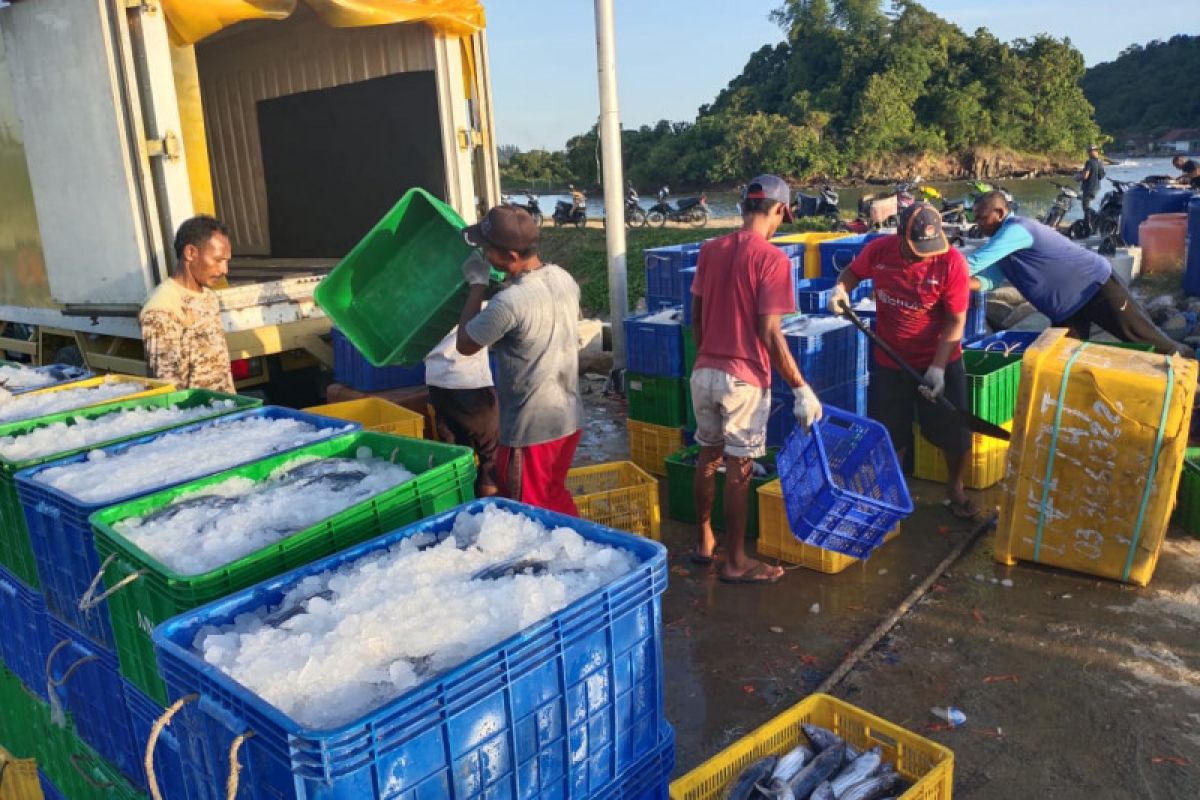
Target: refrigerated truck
<point x="119" y="119"/>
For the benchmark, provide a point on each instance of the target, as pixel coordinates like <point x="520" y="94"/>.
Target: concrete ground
<point x="1073" y="687"/>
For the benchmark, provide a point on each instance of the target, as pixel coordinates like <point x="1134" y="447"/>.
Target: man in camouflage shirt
<point x="181" y="322"/>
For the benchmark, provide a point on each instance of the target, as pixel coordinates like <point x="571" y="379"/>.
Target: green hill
<point x="1147" y="89"/>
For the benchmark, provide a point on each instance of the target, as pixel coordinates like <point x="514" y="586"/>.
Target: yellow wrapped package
<point x="1097" y="450"/>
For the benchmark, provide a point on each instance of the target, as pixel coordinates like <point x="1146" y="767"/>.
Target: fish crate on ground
<point x="829" y="351"/>
<point x="650" y="444"/>
<point x="842" y="485"/>
<point x="23" y="632"/>
<point x="850" y="396"/>
<point x="681" y="504"/>
<point x="1098" y="443"/>
<point x="61" y="535"/>
<point x="151" y="592"/>
<point x="927" y="764"/>
<point x="619" y="495"/>
<point x="16" y="553"/>
<point x="775" y="539"/>
<point x="1187" y="510"/>
<point x="992" y="381"/>
<point x="653" y="347"/>
<point x="985" y="466"/>
<point x="562" y="709"/>
<point x="375" y="414"/>
<point x="18" y="778"/>
<point x="655" y="399"/>
<point x="351" y="368"/>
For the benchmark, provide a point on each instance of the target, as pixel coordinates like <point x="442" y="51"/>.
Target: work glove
<point x="806" y="407"/>
<point x="935" y="383"/>
<point x="476" y="269"/>
<point x="839" y="300"/>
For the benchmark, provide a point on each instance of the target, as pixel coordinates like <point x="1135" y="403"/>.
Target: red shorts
<point x="537" y="474"/>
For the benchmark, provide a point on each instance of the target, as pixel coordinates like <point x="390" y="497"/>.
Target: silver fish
<point x="823" y="792"/>
<point x="872" y="788"/>
<point x="792" y="762"/>
<point x="860" y="768"/>
<point x="821" y="738"/>
<point x="818" y="770"/>
<point x="747" y="783"/>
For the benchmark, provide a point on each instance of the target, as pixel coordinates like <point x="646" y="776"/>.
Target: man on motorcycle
<point x="1072" y="285"/>
<point x="631" y="195"/>
<point x="1089" y="180"/>
<point x="664" y="193"/>
<point x="578" y="199"/>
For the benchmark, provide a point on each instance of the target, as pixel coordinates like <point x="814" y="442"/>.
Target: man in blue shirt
<point x="1073" y="286"/>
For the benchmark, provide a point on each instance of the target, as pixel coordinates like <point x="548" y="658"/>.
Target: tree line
<point x="852" y="85"/>
<point x="1148" y="90"/>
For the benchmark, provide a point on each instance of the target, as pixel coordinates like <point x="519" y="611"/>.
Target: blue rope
<point x="1158" y="440"/>
<point x="1062" y="395"/>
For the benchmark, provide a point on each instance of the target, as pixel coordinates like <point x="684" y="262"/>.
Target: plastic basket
<point x="650" y="444"/>
<point x="992" y="381"/>
<point x="775" y="539"/>
<point x="560" y="710"/>
<point x="375" y="414"/>
<point x="826" y="356"/>
<point x="153" y="387"/>
<point x="66" y="374"/>
<point x="445" y="475"/>
<point x="16" y="553"/>
<point x="650" y="778"/>
<point x="985" y="468"/>
<point x="664" y="270"/>
<point x="662" y="401"/>
<point x="929" y="765"/>
<point x="619" y="495"/>
<point x="835" y="255"/>
<point x="87" y="682"/>
<point x="653" y="348"/>
<point x="842" y="484"/>
<point x="400" y="290"/>
<point x="62" y="536"/>
<point x="168" y="762"/>
<point x="18" y="778"/>
<point x="850" y="396"/>
<point x="681" y="504"/>
<point x="351" y="368"/>
<point x="812" y="294"/>
<point x="23" y="632"/>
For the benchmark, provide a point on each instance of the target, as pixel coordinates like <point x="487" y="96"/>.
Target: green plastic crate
<point x="23" y="717"/>
<point x="16" y="554"/>
<point x="656" y="399"/>
<point x="681" y="503"/>
<point x="398" y="292"/>
<point x="445" y="479"/>
<point x="1187" y="507"/>
<point x="689" y="350"/>
<point x="992" y="380"/>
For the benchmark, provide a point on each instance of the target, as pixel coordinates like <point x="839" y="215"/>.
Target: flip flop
<point x="964" y="510"/>
<point x="757" y="575"/>
<point x="700" y="558"/>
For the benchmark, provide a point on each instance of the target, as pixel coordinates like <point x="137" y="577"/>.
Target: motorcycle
<point x="883" y="211"/>
<point x="1108" y="217"/>
<point x="825" y="204"/>
<point x="530" y="205"/>
<point x="980" y="188"/>
<point x="635" y="217"/>
<point x="1060" y="208"/>
<point x="565" y="213"/>
<point x="692" y="210"/>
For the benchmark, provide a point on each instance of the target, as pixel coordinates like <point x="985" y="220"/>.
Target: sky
<point x="675" y="55"/>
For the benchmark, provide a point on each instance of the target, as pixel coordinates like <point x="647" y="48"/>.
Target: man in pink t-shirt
<point x="743" y="285"/>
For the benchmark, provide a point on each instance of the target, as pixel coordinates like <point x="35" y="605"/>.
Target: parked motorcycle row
<point x="688" y="210"/>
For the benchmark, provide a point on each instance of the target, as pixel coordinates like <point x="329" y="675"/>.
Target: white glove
<point x="839" y="299"/>
<point x="475" y="269"/>
<point x="806" y="407"/>
<point x="935" y="377"/>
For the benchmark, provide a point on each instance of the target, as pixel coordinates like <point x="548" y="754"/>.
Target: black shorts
<point x="893" y="399"/>
<point x="471" y="418"/>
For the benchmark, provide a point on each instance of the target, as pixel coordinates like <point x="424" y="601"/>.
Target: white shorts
<point x="730" y="412"/>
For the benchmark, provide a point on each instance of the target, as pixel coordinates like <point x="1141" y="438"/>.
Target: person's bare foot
<point x="705" y="549"/>
<point x="752" y="571"/>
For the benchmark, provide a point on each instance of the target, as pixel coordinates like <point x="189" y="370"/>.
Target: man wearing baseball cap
<point x="743" y="285"/>
<point x="921" y="298"/>
<point x="532" y="328"/>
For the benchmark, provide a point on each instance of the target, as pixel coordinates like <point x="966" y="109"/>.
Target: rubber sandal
<point x="699" y="558"/>
<point x="964" y="510"/>
<point x="757" y="575"/>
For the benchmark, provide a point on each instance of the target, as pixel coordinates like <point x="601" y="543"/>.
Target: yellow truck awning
<point x="190" y="21"/>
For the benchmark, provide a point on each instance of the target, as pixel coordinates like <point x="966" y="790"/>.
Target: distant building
<point x="1180" y="140"/>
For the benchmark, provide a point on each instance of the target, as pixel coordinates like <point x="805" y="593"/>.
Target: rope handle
<point x="90" y="599"/>
<point x="235" y="768"/>
<point x="57" y="716"/>
<point x="75" y="759"/>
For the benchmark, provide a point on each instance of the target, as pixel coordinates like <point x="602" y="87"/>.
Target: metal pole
<point x="614" y="182"/>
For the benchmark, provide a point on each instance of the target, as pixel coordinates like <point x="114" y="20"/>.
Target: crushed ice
<point x="14" y="408"/>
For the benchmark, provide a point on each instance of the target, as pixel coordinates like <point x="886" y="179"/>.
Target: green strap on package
<point x="1062" y="396"/>
<point x="1158" y="440"/>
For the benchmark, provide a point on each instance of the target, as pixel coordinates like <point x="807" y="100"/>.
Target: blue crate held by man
<point x="654" y="343"/>
<point x="843" y="488"/>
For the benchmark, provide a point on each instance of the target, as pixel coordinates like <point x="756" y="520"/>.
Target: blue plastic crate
<point x="650" y="778"/>
<point x="850" y="397"/>
<point x="63" y="373"/>
<point x="842" y="485"/>
<point x="560" y="710"/>
<point x="61" y="535"/>
<point x="664" y="266"/>
<point x="812" y="294"/>
<point x="23" y="632"/>
<point x="168" y="761"/>
<point x="836" y="254"/>
<point x="689" y="277"/>
<point x="862" y="291"/>
<point x="49" y="790"/>
<point x="351" y="368"/>
<point x="1012" y="343"/>
<point x="653" y="348"/>
<point x="977" y="315"/>
<point x="89" y="686"/>
<point x="826" y="356"/>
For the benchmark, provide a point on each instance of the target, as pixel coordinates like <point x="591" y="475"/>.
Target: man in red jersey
<point x="922" y="290"/>
<point x="743" y="286"/>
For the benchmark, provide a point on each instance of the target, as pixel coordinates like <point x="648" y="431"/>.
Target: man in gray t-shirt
<point x="532" y="328"/>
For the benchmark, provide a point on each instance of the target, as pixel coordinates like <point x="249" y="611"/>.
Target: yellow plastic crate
<point x="812" y="253"/>
<point x="1099" y="437"/>
<point x="153" y="387"/>
<point x="375" y="414"/>
<point x="18" y="778"/>
<point x="775" y="539"/>
<point x="620" y="495"/>
<point x="929" y="765"/>
<point x="650" y="444"/>
<point x="989" y="457"/>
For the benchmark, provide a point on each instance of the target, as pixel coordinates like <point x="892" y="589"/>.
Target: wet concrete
<point x="1073" y="687"/>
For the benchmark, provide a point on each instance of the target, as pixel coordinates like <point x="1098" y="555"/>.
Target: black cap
<point x="504" y="227"/>
<point x="921" y="229"/>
